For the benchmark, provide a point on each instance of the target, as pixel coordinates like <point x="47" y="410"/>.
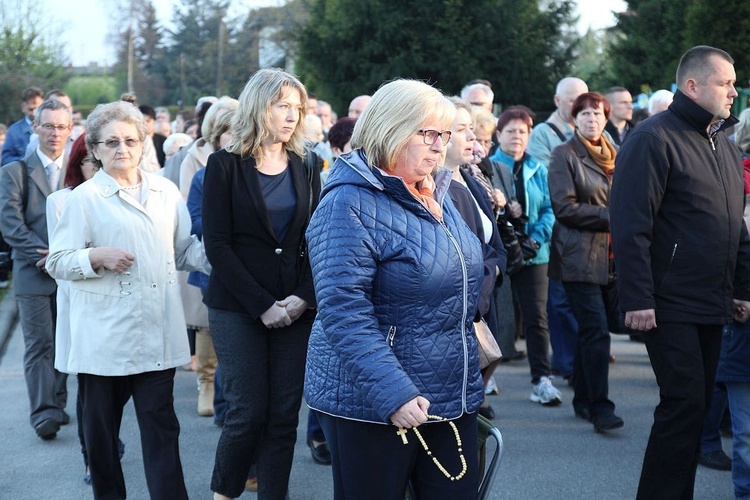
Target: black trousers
<point x="591" y="362"/>
<point x="684" y="358"/>
<point x="371" y="462"/>
<point x="102" y="401"/>
<point x="263" y="371"/>
<point x="530" y="287"/>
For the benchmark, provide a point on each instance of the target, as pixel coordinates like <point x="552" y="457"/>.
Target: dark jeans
<point x="563" y="328"/>
<point x="371" y="462"/>
<point x="506" y="321"/>
<point x="314" y="430"/>
<point x="710" y="435"/>
<point x="102" y="401"/>
<point x="684" y="358"/>
<point x="263" y="373"/>
<point x="530" y="288"/>
<point x="591" y="364"/>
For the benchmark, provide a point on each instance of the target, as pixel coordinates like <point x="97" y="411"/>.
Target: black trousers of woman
<point x="102" y="401"/>
<point x="530" y="287"/>
<point x="263" y="371"/>
<point x="591" y="364"/>
<point x="371" y="462"/>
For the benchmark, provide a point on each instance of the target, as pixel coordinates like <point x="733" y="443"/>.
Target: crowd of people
<point x="283" y="253"/>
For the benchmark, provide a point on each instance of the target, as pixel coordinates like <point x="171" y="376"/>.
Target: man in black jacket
<point x="683" y="256"/>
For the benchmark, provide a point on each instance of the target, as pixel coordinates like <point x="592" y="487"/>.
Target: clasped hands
<point x="284" y="312"/>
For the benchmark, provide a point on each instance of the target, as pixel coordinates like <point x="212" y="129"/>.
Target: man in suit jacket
<point x="19" y="133"/>
<point x="24" y="187"/>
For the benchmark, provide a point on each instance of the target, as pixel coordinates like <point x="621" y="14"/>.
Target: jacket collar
<point x="530" y="166"/>
<point x="352" y="168"/>
<point x="584" y="155"/>
<point x="107" y="186"/>
<point x="695" y="115"/>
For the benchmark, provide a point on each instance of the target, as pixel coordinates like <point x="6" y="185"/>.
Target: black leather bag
<point x="511" y="244"/>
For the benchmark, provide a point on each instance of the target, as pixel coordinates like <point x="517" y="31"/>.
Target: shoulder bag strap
<point x="557" y="131"/>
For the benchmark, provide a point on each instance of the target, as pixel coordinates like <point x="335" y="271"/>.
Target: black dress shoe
<point x="583" y="413"/>
<point x="47" y="430"/>
<point x="606" y="423"/>
<point x="320" y="454"/>
<point x="487" y="412"/>
<point x="717" y="460"/>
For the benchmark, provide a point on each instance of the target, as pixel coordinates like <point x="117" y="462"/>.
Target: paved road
<point x="549" y="454"/>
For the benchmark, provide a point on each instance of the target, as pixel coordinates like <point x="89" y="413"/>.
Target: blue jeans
<point x="563" y="328"/>
<point x="591" y="376"/>
<point x="739" y="407"/>
<point x="710" y="437"/>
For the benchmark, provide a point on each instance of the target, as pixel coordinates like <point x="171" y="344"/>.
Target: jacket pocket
<point x="664" y="277"/>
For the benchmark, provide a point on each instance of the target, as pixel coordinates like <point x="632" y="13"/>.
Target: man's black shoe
<point x="717" y="460"/>
<point x="47" y="430"/>
<point x="606" y="423"/>
<point x="320" y="454"/>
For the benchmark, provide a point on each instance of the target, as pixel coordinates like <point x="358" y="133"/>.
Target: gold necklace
<point x="402" y="433"/>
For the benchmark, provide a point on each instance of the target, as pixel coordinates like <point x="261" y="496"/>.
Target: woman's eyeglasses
<point x="115" y="143"/>
<point x="431" y="136"/>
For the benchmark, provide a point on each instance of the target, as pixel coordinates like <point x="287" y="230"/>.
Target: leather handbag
<point x="489" y="351"/>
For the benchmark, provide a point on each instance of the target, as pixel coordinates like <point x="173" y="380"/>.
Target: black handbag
<point x="615" y="316"/>
<point x="509" y="238"/>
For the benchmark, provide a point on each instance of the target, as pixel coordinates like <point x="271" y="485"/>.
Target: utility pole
<point x="220" y="57"/>
<point x="131" y="47"/>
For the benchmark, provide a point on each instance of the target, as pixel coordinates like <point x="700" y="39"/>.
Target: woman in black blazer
<point x="258" y="197"/>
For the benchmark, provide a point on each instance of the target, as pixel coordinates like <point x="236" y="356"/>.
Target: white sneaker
<point x="491" y="388"/>
<point x="4" y="284"/>
<point x="546" y="393"/>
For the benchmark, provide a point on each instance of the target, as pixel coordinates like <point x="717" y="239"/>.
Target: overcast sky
<point x="88" y="23"/>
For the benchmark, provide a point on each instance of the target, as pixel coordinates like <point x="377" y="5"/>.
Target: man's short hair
<point x="32" y="93"/>
<point x="55" y="93"/>
<point x="485" y="88"/>
<point x="147" y="110"/>
<point x="695" y="64"/>
<point x="615" y="90"/>
<point x="51" y="105"/>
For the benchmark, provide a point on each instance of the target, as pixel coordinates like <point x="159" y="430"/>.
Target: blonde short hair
<point x="221" y="124"/>
<point x="742" y="131"/>
<point x="483" y="119"/>
<point x="252" y="120"/>
<point x="217" y="109"/>
<point x="394" y="115"/>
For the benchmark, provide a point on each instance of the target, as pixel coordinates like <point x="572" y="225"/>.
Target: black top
<point x="281" y="201"/>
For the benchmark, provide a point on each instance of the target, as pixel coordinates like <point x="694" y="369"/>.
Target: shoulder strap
<point x="557" y="131"/>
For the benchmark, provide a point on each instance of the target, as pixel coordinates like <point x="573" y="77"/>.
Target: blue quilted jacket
<point x="397" y="293"/>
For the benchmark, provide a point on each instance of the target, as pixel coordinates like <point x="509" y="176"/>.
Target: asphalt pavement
<point x="549" y="454"/>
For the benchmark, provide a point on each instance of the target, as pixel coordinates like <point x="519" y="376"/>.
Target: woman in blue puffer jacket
<point x="397" y="277"/>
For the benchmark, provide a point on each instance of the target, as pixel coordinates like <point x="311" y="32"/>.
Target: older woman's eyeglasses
<point x="115" y="143"/>
<point x="431" y="136"/>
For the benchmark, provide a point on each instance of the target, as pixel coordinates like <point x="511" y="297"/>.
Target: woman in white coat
<point x="120" y="239"/>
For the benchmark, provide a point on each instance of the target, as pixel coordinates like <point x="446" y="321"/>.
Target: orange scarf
<point x="423" y="192"/>
<point x="603" y="155"/>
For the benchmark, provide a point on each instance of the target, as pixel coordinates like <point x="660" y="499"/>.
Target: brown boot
<point x="206" y="368"/>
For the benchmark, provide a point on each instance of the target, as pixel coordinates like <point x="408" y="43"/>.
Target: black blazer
<point x="251" y="268"/>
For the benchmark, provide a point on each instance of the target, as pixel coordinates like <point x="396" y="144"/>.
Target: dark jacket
<point x="251" y="269"/>
<point x="397" y="292"/>
<point x="676" y="218"/>
<point x="579" y="189"/>
<point x="615" y="135"/>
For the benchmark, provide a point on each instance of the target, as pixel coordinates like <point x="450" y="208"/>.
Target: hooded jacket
<point x="397" y="291"/>
<point x="676" y="218"/>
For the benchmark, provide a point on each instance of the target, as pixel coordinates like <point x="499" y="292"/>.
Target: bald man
<point x="358" y="105"/>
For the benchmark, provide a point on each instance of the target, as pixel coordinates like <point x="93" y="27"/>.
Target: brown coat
<point x="579" y="190"/>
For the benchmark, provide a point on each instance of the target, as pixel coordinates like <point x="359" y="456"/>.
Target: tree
<point x="28" y="55"/>
<point x="148" y="38"/>
<point x="707" y="23"/>
<point x="350" y="47"/>
<point x="651" y="41"/>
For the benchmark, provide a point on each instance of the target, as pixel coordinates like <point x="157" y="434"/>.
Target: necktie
<point x="53" y="173"/>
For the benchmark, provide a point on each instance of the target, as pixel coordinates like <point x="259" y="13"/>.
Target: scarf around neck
<point x="603" y="155"/>
<point x="423" y="192"/>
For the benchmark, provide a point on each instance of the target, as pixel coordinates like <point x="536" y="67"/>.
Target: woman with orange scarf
<point x="580" y="178"/>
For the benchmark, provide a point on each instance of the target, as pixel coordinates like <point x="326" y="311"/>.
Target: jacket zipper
<point x="726" y="201"/>
<point x="463" y="315"/>
<point x="391" y="335"/>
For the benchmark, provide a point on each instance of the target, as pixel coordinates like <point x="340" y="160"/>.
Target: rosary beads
<point x="402" y="434"/>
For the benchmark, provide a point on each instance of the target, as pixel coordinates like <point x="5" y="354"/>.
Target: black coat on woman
<point x="251" y="268"/>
